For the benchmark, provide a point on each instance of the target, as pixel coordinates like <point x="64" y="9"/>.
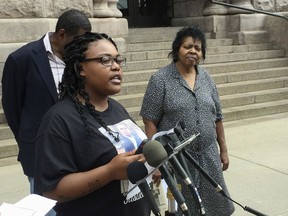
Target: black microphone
<point x="155" y="154"/>
<point x="168" y="141"/>
<point x="137" y="171"/>
<point x="141" y="146"/>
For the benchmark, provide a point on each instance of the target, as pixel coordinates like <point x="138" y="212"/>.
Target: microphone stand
<point x="217" y="186"/>
<point x="187" y="179"/>
<point x="178" y="131"/>
<point x="171" y="211"/>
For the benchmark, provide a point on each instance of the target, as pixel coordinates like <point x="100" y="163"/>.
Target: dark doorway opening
<point x="144" y="13"/>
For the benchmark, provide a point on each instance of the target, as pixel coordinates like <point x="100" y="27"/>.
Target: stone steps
<point x="234" y="76"/>
<point x="8" y="148"/>
<point x="228" y="83"/>
<point x="158" y="54"/>
<point x="252" y="77"/>
<point x="135" y="100"/>
<point x="236" y="112"/>
<point x="5" y="132"/>
<point x="217" y="64"/>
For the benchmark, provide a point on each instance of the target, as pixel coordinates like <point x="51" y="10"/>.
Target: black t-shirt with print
<point x="63" y="146"/>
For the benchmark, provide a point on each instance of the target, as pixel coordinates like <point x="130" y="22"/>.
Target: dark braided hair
<point x="190" y="31"/>
<point x="73" y="84"/>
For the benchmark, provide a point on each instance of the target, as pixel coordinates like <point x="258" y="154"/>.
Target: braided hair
<point x="73" y="84"/>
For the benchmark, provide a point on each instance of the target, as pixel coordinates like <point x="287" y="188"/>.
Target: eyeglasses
<point x="108" y="61"/>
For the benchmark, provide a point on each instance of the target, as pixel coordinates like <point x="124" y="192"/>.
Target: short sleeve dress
<point x="168" y="100"/>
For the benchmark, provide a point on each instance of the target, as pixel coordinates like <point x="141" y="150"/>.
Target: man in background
<point x="30" y="83"/>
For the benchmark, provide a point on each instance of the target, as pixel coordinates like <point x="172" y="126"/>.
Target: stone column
<point x="112" y="4"/>
<point x="101" y="9"/>
<point x="215" y="9"/>
<point x="241" y="3"/>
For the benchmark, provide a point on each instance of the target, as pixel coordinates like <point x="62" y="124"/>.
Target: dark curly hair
<point x="190" y="31"/>
<point x="73" y="84"/>
<point x="72" y="21"/>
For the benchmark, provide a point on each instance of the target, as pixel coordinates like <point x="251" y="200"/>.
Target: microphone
<point x="166" y="142"/>
<point x="137" y="171"/>
<point x="163" y="161"/>
<point x="155" y="154"/>
<point x="140" y="147"/>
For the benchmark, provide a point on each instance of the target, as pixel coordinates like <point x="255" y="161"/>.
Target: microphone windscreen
<point x="141" y="146"/>
<point x="154" y="153"/>
<point x="136" y="171"/>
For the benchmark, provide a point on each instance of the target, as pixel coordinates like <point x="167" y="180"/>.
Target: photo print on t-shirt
<point x="130" y="135"/>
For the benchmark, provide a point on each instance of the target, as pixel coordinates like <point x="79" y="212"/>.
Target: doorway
<point x="144" y="13"/>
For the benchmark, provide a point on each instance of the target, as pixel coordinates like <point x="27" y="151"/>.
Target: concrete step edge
<point x="249" y="71"/>
<point x="254" y="93"/>
<point x="256" y="105"/>
<point x="242" y="83"/>
<point x="215" y="66"/>
<point x="8" y="142"/>
<point x="11" y="160"/>
<point x="220" y="47"/>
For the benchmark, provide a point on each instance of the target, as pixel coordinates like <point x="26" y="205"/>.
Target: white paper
<point x="31" y="205"/>
<point x="39" y="204"/>
<point x="7" y="209"/>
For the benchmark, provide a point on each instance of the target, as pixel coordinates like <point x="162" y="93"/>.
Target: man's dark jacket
<point x="28" y="91"/>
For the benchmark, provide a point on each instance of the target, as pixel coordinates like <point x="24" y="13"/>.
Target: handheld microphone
<point x="137" y="171"/>
<point x="141" y="146"/>
<point x="155" y="154"/>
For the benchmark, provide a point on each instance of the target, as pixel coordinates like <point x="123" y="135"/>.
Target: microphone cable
<point x="178" y="131"/>
<point x="217" y="186"/>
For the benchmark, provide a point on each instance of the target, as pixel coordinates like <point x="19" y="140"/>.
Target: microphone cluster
<point x="171" y="148"/>
<point x="157" y="157"/>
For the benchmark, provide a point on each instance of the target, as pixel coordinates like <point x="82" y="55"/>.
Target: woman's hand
<point x="225" y="160"/>
<point x="156" y="178"/>
<point x="118" y="165"/>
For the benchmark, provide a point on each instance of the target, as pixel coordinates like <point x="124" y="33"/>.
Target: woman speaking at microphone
<point x="80" y="157"/>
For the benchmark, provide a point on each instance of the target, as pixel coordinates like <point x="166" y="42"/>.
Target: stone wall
<point x="188" y="8"/>
<point x="27" y="20"/>
<point x="271" y="5"/>
<point x="277" y="29"/>
<point x="42" y="8"/>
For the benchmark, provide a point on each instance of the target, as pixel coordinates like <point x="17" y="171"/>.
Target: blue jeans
<point x="31" y="181"/>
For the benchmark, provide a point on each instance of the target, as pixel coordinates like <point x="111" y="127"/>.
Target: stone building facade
<point x="27" y="20"/>
<point x="234" y="22"/>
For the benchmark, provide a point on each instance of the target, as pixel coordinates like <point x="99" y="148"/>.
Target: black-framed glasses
<point x="108" y="61"/>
